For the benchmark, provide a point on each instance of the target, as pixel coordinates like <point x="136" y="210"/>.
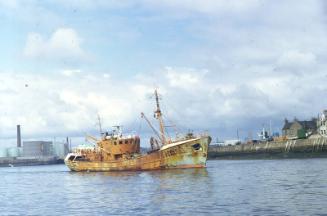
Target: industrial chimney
<point x="19" y="139"/>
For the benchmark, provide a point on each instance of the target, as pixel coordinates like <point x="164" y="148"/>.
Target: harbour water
<point x="225" y="187"/>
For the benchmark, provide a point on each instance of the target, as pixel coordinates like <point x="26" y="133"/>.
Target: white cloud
<point x="62" y="44"/>
<point x="70" y="73"/>
<point x="296" y="59"/>
<point x="9" y="3"/>
<point x="106" y="75"/>
<point x="203" y="6"/>
<point x="183" y="78"/>
<point x="206" y="6"/>
<point x="54" y="105"/>
<point x="34" y="45"/>
<point x="261" y="60"/>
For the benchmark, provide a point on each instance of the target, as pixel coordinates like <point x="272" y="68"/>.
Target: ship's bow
<point x="191" y="153"/>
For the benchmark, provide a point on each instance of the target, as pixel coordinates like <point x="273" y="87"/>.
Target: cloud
<point x="57" y="104"/>
<point x="296" y="59"/>
<point x="94" y="4"/>
<point x="70" y="73"/>
<point x="9" y="3"/>
<point x="64" y="43"/>
<point x="205" y="6"/>
<point x="231" y="64"/>
<point x="183" y="77"/>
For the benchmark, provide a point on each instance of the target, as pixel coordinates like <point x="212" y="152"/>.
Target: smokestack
<point x="19" y="139"/>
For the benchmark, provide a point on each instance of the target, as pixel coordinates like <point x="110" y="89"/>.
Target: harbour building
<point x="297" y="129"/>
<point x="322" y="123"/>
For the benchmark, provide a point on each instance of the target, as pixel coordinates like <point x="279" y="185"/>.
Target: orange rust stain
<point x="179" y="156"/>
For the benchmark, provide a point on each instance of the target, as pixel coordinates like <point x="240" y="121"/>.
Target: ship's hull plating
<point x="190" y="153"/>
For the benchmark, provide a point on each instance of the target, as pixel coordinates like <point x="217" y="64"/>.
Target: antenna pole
<point x="158" y="115"/>
<point x="99" y="122"/>
<point x="237" y="133"/>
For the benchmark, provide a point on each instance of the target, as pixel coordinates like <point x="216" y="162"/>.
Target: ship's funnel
<point x="19" y="139"/>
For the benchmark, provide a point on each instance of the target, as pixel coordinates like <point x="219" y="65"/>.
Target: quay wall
<point x="29" y="161"/>
<point x="300" y="148"/>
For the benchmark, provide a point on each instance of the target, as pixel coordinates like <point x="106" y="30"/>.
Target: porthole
<point x="196" y="146"/>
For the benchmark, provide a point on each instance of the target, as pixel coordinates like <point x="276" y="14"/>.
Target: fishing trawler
<point x="118" y="152"/>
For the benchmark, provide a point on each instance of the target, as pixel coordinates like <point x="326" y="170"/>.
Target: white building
<point x="322" y="124"/>
<point x="232" y="142"/>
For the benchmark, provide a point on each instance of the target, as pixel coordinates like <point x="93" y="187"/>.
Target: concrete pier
<point x="301" y="148"/>
<point x="29" y="161"/>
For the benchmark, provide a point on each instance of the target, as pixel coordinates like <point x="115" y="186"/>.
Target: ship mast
<point x="99" y="124"/>
<point x="158" y="115"/>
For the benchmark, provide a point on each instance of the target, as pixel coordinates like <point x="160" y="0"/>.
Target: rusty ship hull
<point x="190" y="153"/>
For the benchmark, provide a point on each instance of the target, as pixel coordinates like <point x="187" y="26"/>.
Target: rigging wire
<point x="180" y="115"/>
<point x="174" y="125"/>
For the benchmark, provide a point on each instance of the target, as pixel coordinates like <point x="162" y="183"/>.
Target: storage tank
<point x="3" y="152"/>
<point x="13" y="152"/>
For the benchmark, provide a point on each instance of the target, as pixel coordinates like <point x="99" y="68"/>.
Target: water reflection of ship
<point x="188" y="173"/>
<point x="157" y="174"/>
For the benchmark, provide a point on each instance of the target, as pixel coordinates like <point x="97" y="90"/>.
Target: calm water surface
<point x="244" y="187"/>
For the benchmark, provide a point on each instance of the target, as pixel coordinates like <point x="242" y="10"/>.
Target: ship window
<point x="79" y="158"/>
<point x="118" y="156"/>
<point x="120" y="142"/>
<point x="196" y="146"/>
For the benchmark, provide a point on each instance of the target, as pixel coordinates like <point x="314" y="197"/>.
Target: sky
<point x="220" y="65"/>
